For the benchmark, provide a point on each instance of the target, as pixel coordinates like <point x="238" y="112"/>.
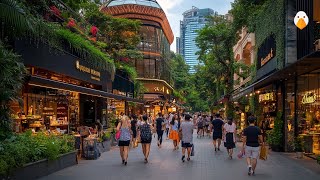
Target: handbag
<point x="192" y="150"/>
<point x="118" y="134"/>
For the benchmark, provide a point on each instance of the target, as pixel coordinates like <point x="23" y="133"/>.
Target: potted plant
<point x="275" y="136"/>
<point x="318" y="159"/>
<point x="298" y="147"/>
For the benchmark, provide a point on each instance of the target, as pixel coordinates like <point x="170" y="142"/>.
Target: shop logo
<point x="268" y="58"/>
<point x="309" y="98"/>
<point x="266" y="97"/>
<point x="301" y="20"/>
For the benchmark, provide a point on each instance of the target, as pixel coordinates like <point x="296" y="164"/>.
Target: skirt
<point x="124" y="143"/>
<point x="174" y="135"/>
<point x="229" y="144"/>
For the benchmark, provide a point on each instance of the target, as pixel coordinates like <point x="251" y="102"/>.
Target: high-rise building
<point x="193" y="20"/>
<point x="178" y="47"/>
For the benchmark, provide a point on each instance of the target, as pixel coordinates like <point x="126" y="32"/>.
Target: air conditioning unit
<point x="317" y="45"/>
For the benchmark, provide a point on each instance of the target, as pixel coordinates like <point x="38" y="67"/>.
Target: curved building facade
<point x="156" y="37"/>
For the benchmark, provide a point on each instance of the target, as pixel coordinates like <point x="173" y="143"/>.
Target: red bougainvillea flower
<point x="71" y="23"/>
<point x="55" y="10"/>
<point x="125" y="59"/>
<point x="94" y="30"/>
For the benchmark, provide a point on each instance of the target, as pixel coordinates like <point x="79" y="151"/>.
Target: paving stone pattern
<point x="165" y="164"/>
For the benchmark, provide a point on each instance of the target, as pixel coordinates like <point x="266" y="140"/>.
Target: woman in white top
<point x="229" y="136"/>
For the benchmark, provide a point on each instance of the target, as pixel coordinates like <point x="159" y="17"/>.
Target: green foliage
<point x="318" y="159"/>
<point x="11" y="80"/>
<point x="275" y="136"/>
<point x="132" y="73"/>
<point x="139" y="89"/>
<point x="298" y="144"/>
<point x="26" y="148"/>
<point x="86" y="49"/>
<point x="14" y="17"/>
<point x="112" y="118"/>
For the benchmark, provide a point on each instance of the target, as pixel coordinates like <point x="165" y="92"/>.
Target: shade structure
<point x="150" y="3"/>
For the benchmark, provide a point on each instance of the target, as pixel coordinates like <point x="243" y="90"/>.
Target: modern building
<point x="156" y="37"/>
<point x="178" y="45"/>
<point x="193" y="20"/>
<point x="285" y="89"/>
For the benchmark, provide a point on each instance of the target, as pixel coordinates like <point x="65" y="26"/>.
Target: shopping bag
<point x="263" y="153"/>
<point x="135" y="144"/>
<point x="192" y="150"/>
<point x="241" y="154"/>
<point x="118" y="134"/>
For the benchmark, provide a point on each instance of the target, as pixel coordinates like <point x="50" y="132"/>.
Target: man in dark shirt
<point x="217" y="124"/>
<point x="251" y="136"/>
<point x="159" y="127"/>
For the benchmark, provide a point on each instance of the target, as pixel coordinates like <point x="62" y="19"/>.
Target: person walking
<point x="200" y="124"/>
<point x="217" y="124"/>
<point x="125" y="138"/>
<point x="146" y="137"/>
<point x="174" y="136"/>
<point x="159" y="128"/>
<point x="134" y="123"/>
<point x="167" y="122"/>
<point x="186" y="128"/>
<point x="251" y="137"/>
<point x="229" y="136"/>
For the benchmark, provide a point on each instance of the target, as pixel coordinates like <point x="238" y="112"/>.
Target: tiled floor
<point x="165" y="164"/>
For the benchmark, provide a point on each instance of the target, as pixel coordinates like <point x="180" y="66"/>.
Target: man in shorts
<point x="251" y="137"/>
<point x="217" y="125"/>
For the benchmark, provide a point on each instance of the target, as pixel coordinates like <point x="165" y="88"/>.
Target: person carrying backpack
<point x="146" y="137"/>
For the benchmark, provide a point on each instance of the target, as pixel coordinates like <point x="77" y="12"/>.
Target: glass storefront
<point x="308" y="111"/>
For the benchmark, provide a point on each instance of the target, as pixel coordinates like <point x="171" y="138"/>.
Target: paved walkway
<point x="165" y="164"/>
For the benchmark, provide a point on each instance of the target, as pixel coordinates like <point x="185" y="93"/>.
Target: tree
<point x="216" y="41"/>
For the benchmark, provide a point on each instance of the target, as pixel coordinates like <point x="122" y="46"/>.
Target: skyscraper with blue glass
<point x="193" y="20"/>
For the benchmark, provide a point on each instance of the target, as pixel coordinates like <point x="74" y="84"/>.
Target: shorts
<point x="124" y="143"/>
<point x="186" y="145"/>
<point x="146" y="141"/>
<point x="217" y="135"/>
<point x="252" y="152"/>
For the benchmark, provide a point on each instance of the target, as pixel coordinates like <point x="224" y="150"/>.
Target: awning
<point x="305" y="65"/>
<point x="153" y="97"/>
<point x="42" y="82"/>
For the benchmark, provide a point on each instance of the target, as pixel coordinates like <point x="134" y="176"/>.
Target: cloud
<point x="169" y="4"/>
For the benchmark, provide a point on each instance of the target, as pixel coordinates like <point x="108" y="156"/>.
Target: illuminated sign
<point x="266" y="97"/>
<point x="268" y="58"/>
<point x="95" y="75"/>
<point x="309" y="98"/>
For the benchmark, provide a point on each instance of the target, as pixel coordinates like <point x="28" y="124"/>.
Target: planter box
<point x="44" y="167"/>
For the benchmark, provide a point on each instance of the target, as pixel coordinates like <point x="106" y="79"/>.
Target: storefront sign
<point x="266" y="97"/>
<point x="268" y="58"/>
<point x="309" y="98"/>
<point x="266" y="51"/>
<point x="95" y="75"/>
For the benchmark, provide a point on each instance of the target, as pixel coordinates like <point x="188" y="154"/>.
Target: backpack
<point x="145" y="132"/>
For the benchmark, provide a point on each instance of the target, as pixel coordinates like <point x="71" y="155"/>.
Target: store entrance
<point x="88" y="109"/>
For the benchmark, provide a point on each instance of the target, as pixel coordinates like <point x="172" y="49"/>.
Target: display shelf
<point x="55" y="125"/>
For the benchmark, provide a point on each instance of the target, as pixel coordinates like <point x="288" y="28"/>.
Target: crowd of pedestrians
<point x="179" y="128"/>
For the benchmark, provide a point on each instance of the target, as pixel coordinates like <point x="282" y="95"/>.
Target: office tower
<point x="193" y="20"/>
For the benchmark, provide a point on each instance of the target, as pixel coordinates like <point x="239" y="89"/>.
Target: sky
<point x="175" y="8"/>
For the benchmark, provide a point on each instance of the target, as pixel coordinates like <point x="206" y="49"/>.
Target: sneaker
<point x="253" y="173"/>
<point x="218" y="149"/>
<point x="249" y="171"/>
<point x="146" y="160"/>
<point x="182" y="159"/>
<point x="215" y="149"/>
<point x="188" y="159"/>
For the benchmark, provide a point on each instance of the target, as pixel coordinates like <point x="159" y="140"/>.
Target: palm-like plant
<point x="11" y="80"/>
<point x="13" y="17"/>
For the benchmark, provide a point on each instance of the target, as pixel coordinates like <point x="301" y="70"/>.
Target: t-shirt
<point x="187" y="131"/>
<point x="217" y="125"/>
<point x="133" y="124"/>
<point x="159" y="122"/>
<point x="252" y="133"/>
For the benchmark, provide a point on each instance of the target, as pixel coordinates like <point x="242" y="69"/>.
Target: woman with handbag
<point x="124" y="127"/>
<point x="145" y="137"/>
